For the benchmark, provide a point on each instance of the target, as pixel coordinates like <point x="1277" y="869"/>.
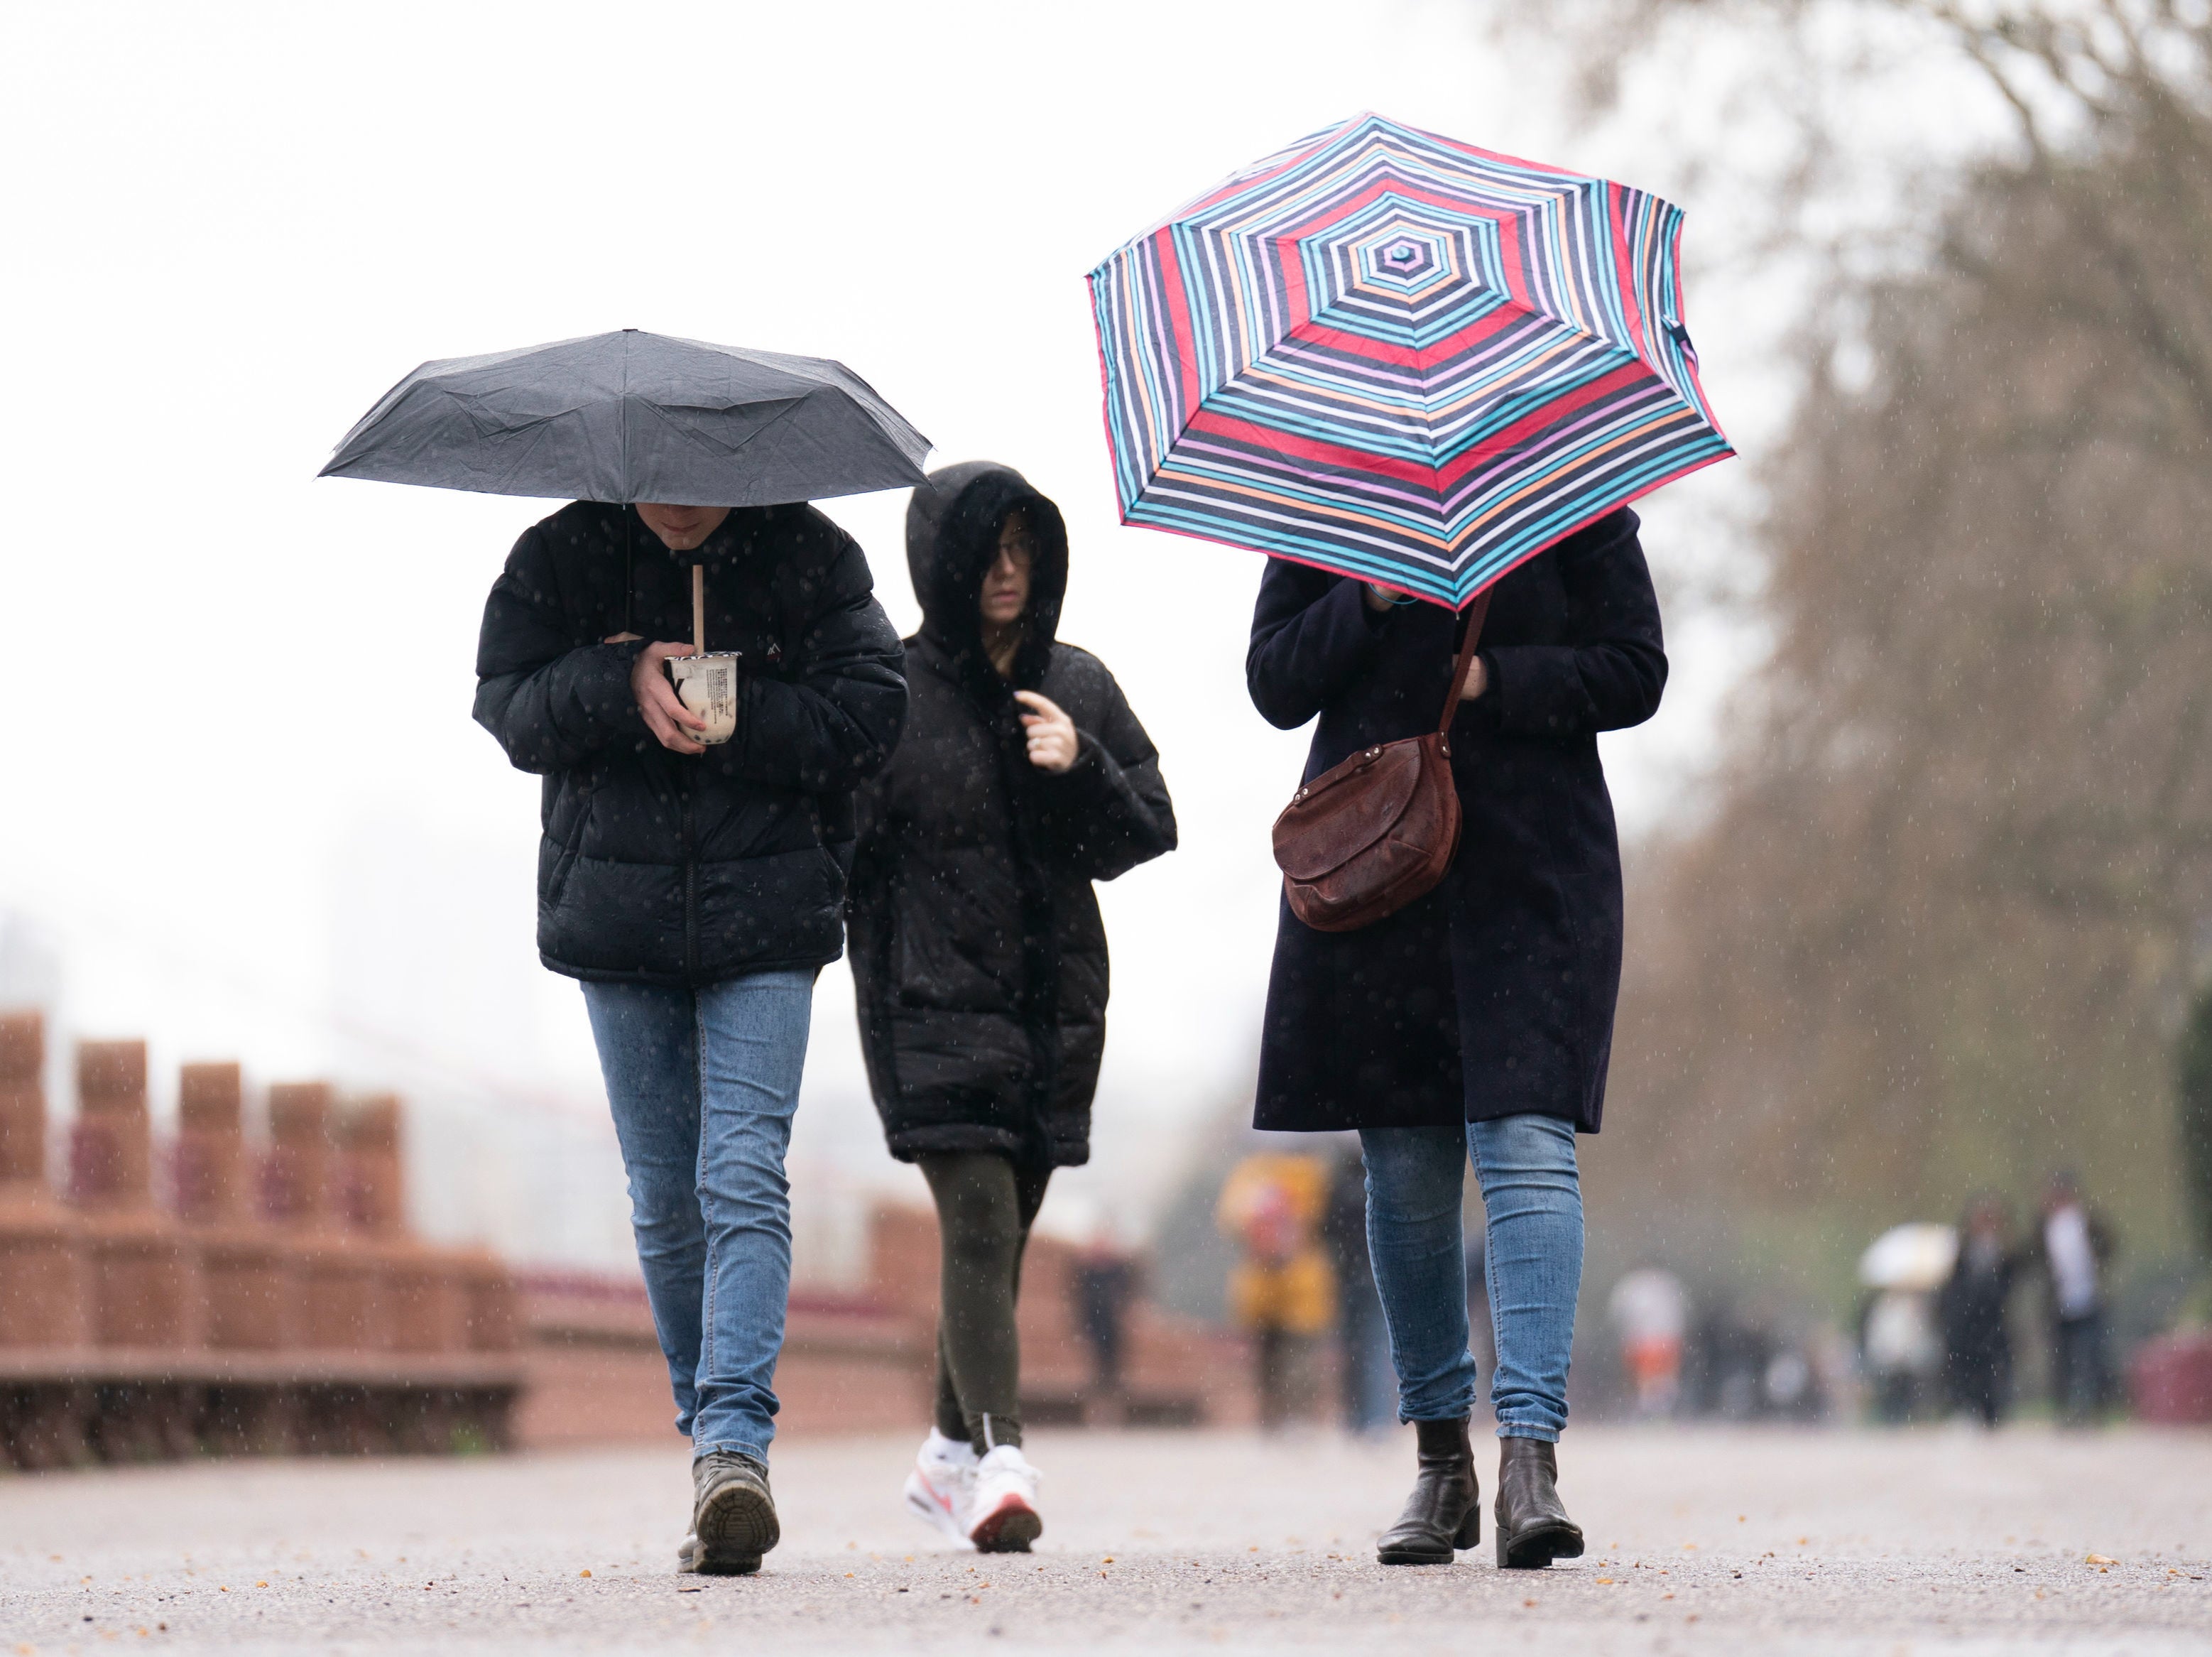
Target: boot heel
<point x="1505" y="1554"/>
<point x="1469" y="1533"/>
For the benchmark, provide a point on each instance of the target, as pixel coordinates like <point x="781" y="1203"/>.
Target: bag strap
<point x="1461" y="668"/>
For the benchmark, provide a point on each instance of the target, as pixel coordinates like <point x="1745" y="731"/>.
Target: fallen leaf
<point x="583" y="1572"/>
<point x="1528" y="1603"/>
<point x="2100" y="1559"/>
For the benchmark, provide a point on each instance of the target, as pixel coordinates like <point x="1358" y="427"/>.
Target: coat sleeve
<point x="1109" y="811"/>
<point x="550" y="703"/>
<point x="1611" y="674"/>
<point x="834" y="717"/>
<point x="1313" y="636"/>
<point x="868" y="919"/>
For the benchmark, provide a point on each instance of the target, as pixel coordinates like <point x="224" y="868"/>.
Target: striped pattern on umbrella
<point x="1399" y="357"/>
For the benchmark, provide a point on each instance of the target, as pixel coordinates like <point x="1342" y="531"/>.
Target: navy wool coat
<point x="1492" y="996"/>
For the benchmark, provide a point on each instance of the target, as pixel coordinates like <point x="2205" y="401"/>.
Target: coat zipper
<point x="690" y="889"/>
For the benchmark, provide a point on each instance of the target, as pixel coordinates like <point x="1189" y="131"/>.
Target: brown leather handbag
<point x="1367" y="836"/>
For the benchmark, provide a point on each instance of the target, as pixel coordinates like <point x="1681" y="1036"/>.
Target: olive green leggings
<point x="985" y="1202"/>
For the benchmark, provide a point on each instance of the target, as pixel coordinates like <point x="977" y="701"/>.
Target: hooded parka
<point x="687" y="869"/>
<point x="1493" y="995"/>
<point x="978" y="951"/>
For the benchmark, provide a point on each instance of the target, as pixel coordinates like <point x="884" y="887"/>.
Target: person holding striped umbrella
<point x="1427" y="379"/>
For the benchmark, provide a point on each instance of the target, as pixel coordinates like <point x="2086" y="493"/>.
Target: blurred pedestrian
<point x="697" y="889"/>
<point x="1970" y="1307"/>
<point x="1102" y="1283"/>
<point x="1903" y="1350"/>
<point x="978" y="953"/>
<point x="1476" y="1021"/>
<point x="2077" y="1254"/>
<point x="1281" y="1292"/>
<point x="1650" y="1313"/>
<point x="1362" y="1342"/>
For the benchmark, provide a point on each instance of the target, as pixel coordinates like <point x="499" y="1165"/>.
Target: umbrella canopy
<point x="1917" y="1256"/>
<point x="636" y="417"/>
<point x="1398" y="357"/>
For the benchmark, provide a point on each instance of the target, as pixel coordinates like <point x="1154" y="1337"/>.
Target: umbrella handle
<point x="699" y="609"/>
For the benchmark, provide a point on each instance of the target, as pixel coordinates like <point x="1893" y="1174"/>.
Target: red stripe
<point x="1179" y="327"/>
<point x="1509" y="246"/>
<point x="1297" y="303"/>
<point x="1624" y="270"/>
<point x="1335" y="456"/>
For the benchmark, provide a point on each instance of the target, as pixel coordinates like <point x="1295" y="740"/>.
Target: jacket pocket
<point x="555" y="863"/>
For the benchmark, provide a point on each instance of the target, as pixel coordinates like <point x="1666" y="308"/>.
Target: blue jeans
<point x="703" y="1084"/>
<point x="1533" y="1196"/>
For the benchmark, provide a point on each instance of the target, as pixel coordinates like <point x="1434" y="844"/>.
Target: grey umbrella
<point x="636" y="417"/>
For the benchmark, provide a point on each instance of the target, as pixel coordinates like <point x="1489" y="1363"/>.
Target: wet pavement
<point x="1932" y="1541"/>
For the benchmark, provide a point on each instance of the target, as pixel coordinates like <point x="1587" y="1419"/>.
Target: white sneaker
<point x="937" y="1489"/>
<point x="1002" y="1515"/>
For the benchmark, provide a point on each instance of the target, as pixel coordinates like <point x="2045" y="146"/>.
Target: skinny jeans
<point x="1532" y="1196"/>
<point x="985" y="1203"/>
<point x="703" y="1084"/>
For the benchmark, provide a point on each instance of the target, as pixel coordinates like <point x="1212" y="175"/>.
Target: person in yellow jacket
<point x="1283" y="1291"/>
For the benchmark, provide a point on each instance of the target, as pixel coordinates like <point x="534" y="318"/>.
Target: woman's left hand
<point x="1478" y="680"/>
<point x="1053" y="742"/>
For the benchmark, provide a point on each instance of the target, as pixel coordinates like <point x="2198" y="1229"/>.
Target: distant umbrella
<point x="1918" y="1256"/>
<point x="1399" y="357"/>
<point x="636" y="417"/>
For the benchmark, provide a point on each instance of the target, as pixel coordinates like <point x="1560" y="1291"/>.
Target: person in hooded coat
<point x="1476" y="1022"/>
<point x="978" y="951"/>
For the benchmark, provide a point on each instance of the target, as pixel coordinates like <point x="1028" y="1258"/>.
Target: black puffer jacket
<point x="660" y="868"/>
<point x="977" y="947"/>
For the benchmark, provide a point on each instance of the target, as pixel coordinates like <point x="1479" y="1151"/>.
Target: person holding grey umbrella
<point x="698" y="827"/>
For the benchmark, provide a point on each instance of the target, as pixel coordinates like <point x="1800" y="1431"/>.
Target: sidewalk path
<point x="1156" y="1543"/>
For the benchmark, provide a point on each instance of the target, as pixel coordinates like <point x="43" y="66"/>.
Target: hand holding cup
<point x="665" y="715"/>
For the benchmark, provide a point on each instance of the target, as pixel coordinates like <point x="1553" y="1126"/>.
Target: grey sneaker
<point x="732" y="1516"/>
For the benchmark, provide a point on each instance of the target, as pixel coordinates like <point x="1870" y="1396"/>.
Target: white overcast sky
<point x="243" y="792"/>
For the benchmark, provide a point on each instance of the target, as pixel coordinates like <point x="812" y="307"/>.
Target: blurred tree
<point x="1937" y="929"/>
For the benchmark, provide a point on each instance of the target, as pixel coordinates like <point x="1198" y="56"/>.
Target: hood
<point x="951" y="541"/>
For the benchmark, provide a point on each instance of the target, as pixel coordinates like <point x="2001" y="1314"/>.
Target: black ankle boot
<point x="1445" y="1510"/>
<point x="1532" y="1527"/>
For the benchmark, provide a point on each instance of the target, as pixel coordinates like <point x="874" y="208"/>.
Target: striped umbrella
<point x="1399" y="357"/>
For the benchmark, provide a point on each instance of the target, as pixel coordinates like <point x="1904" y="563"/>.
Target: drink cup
<point x="708" y="685"/>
